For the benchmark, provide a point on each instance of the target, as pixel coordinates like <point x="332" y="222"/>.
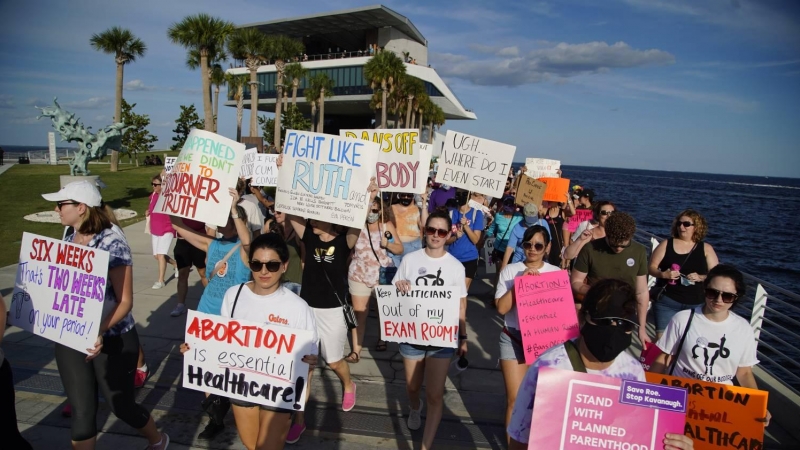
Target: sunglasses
<point x="272" y="266"/>
<point x="528" y="245"/>
<point x="406" y="197"/>
<point x="375" y="211"/>
<point x="606" y="213"/>
<point x="626" y="325"/>
<point x="60" y="204"/>
<point x="430" y="231"/>
<point x="686" y="224"/>
<point x="619" y="245"/>
<point x="727" y="297"/>
<point x="155" y="184"/>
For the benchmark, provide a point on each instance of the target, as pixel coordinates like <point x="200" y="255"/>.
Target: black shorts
<point x="245" y="404"/>
<point x="187" y="255"/>
<point x="497" y="256"/>
<point x="470" y="268"/>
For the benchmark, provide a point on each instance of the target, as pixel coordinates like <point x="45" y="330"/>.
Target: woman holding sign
<point x="469" y="228"/>
<point x="590" y="230"/>
<point x="370" y="264"/>
<point x="161" y="233"/>
<point x="536" y="245"/>
<point x="431" y="266"/>
<point x="111" y="363"/>
<point x="266" y="300"/>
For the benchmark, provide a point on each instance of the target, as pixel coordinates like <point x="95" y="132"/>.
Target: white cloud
<point x="562" y="60"/>
<point x="25" y="121"/>
<point x="137" y="85"/>
<point x="91" y="103"/>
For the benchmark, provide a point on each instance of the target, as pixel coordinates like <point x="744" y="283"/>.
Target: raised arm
<point x="353" y="233"/>
<point x="200" y="241"/>
<point x="574" y="248"/>
<point x="242" y="229"/>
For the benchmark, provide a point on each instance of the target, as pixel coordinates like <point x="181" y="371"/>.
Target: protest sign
<point x="720" y="415"/>
<point x="542" y="168"/>
<point x="60" y="291"/>
<point x="579" y="216"/>
<point x="575" y="410"/>
<point x="557" y="189"/>
<point x="326" y="177"/>
<point x="169" y="163"/>
<point x="475" y="164"/>
<point x="529" y="190"/>
<point x="247" y="361"/>
<point x="248" y="161"/>
<point x="197" y="188"/>
<point x="403" y="162"/>
<point x="265" y="170"/>
<point x="425" y="315"/>
<point x="546" y="312"/>
<point x="486" y="254"/>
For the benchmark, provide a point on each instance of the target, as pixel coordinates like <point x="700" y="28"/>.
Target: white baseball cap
<point x="79" y="191"/>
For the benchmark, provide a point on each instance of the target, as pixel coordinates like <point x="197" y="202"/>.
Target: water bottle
<point x="388" y="237"/>
<point x="674" y="267"/>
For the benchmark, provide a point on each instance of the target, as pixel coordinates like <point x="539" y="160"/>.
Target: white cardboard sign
<point x="426" y="315"/>
<point x="60" y="290"/>
<point x="197" y="187"/>
<point x="169" y="163"/>
<point x="265" y="170"/>
<point x="486" y="254"/>
<point x="326" y="177"/>
<point x="248" y="162"/>
<point x="475" y="164"/>
<point x="247" y="361"/>
<point x="403" y="162"/>
<point x="542" y="168"/>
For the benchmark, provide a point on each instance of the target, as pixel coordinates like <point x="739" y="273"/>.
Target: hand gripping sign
<point x="425" y="315"/>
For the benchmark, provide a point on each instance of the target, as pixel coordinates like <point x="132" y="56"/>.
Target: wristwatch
<point x="234" y="216"/>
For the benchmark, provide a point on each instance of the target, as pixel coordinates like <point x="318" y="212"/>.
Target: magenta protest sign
<point x="575" y="410"/>
<point x="580" y="216"/>
<point x="546" y="311"/>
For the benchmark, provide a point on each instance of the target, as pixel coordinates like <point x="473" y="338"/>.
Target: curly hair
<point x="620" y="227"/>
<point x="605" y="293"/>
<point x="700" y="225"/>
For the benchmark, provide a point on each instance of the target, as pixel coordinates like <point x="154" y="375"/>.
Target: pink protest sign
<point x="546" y="311"/>
<point x="580" y="216"/>
<point x="574" y="410"/>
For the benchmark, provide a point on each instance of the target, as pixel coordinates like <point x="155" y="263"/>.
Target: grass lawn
<point x="22" y="185"/>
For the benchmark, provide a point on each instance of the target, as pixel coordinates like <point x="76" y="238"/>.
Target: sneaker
<point x="294" y="433"/>
<point x="210" y="431"/>
<point x="176" y="273"/>
<point x="162" y="444"/>
<point x="158" y="285"/>
<point x="414" y="419"/>
<point x="349" y="400"/>
<point x="140" y="377"/>
<point x="67" y="410"/>
<point x="179" y="309"/>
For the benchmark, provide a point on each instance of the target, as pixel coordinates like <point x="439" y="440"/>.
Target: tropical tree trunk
<point x="313" y="115"/>
<point x="206" y="82"/>
<point x="277" y="133"/>
<point x="239" y="111"/>
<point x="252" y="66"/>
<point x="421" y="123"/>
<point x="321" y="124"/>
<point x="430" y="134"/>
<point x="408" y="111"/>
<point x="216" y="108"/>
<point x="114" y="161"/>
<point x="295" y="85"/>
<point x="384" y="98"/>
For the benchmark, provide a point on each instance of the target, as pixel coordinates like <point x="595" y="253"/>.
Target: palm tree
<point x="236" y="85"/>
<point x="215" y="60"/>
<point x="206" y="35"/>
<point x="323" y="85"/>
<point x="312" y="95"/>
<point x="281" y="48"/>
<point x="126" y="48"/>
<point x="383" y="70"/>
<point x="436" y="119"/>
<point x="250" y="45"/>
<point x="217" y="80"/>
<point x="412" y="88"/>
<point x="426" y="107"/>
<point x="296" y="72"/>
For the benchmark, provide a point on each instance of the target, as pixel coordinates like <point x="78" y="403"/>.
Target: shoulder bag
<point x="574" y="357"/>
<point x="386" y="274"/>
<point x="347" y="309"/>
<point x="657" y="291"/>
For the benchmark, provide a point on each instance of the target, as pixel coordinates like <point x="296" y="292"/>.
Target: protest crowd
<point x="279" y="277"/>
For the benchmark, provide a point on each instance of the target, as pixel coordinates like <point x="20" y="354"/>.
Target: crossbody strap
<point x="369" y="237"/>
<point x="680" y="344"/>
<point x="223" y="260"/>
<point x="236" y="300"/>
<point x="574" y="357"/>
<point x="335" y="292"/>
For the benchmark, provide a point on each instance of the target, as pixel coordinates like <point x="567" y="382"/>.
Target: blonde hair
<point x="700" y="225"/>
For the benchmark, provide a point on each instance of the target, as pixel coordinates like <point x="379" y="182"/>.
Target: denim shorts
<point x="415" y="353"/>
<point x="408" y="247"/>
<point x="510" y="349"/>
<point x="664" y="309"/>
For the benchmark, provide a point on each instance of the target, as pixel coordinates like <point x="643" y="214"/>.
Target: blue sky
<point x="701" y="85"/>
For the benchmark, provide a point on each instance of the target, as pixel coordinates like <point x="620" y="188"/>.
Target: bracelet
<point x="462" y="338"/>
<point x="234" y="216"/>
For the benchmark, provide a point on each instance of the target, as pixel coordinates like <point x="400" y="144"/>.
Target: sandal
<point x="353" y="358"/>
<point x="380" y="346"/>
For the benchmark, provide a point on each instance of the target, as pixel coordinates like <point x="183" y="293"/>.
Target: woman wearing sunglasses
<point x="536" y="245"/>
<point x="293" y="278"/>
<point x="469" y="228"/>
<point x="589" y="230"/>
<point x="371" y="253"/>
<point x="259" y="426"/>
<point x="680" y="265"/>
<point x="431" y="266"/>
<point x="719" y="344"/>
<point x="228" y="258"/>
<point x="609" y="320"/>
<point x="162" y="234"/>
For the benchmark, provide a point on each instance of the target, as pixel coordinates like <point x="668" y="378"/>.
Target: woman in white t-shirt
<point x="719" y="344"/>
<point x="431" y="266"/>
<point x="536" y="244"/>
<point x="262" y="300"/>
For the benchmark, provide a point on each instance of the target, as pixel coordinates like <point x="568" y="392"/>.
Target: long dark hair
<point x="271" y="241"/>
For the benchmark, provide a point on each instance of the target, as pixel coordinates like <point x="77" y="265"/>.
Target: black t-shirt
<point x="690" y="263"/>
<point x="324" y="258"/>
<point x="556" y="225"/>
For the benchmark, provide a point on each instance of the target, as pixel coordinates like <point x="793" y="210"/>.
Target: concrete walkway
<point x="474" y="401"/>
<point x="5" y="167"/>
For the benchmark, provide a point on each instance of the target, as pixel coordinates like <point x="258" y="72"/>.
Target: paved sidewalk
<point x="6" y="166"/>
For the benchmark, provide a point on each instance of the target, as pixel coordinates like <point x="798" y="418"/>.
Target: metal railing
<point x="775" y="317"/>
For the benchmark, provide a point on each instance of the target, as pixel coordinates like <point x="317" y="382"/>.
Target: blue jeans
<point x="664" y="309"/>
<point x="408" y="247"/>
